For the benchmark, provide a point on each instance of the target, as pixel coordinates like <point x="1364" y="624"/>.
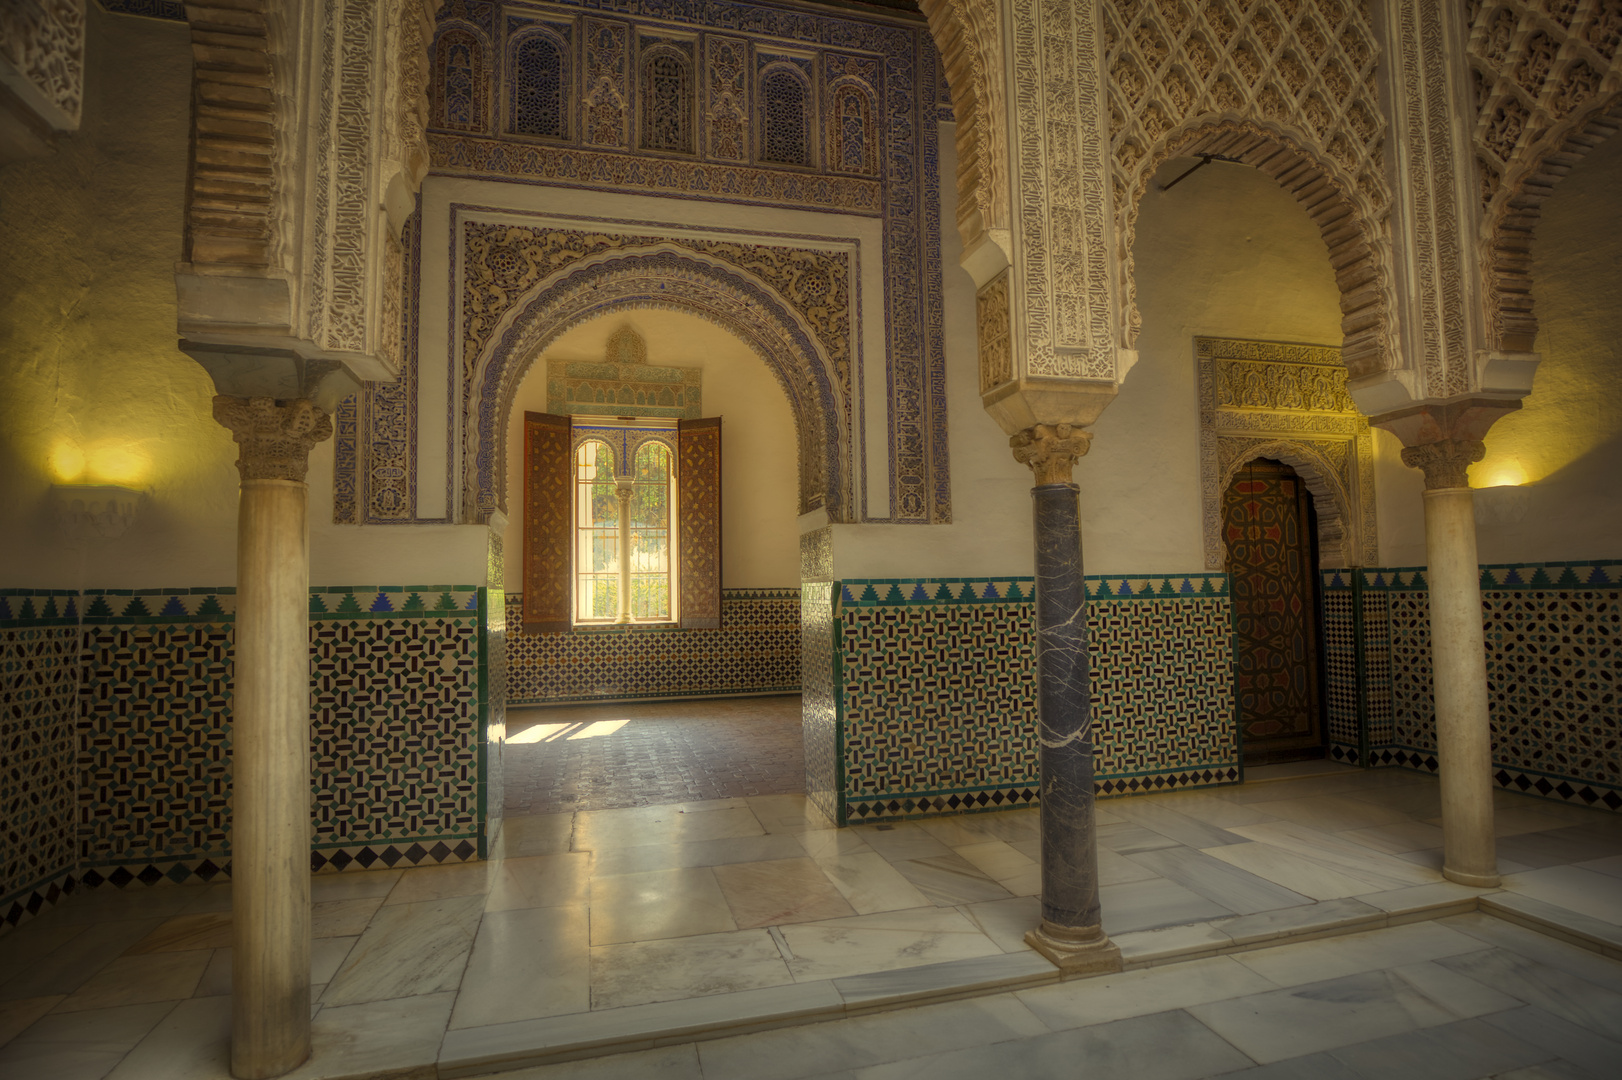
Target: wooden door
<point x="1268" y="526"/>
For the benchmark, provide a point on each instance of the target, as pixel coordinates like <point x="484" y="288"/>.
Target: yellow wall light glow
<point x="66" y="463"/>
<point x="116" y="463"/>
<point x="1505" y="474"/>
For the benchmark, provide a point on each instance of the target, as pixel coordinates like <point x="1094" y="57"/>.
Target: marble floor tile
<point x="1164" y="1046"/>
<point x="959" y="830"/>
<point x="1144" y="905"/>
<point x="883" y="941"/>
<point x="1554" y="991"/>
<point x="1381" y="871"/>
<point x="1292" y="871"/>
<point x="949" y="880"/>
<point x="1324" y="1015"/>
<point x="699" y="966"/>
<point x="1431" y="859"/>
<point x="1302" y="962"/>
<point x="184" y="933"/>
<point x="1222" y="813"/>
<point x="29" y="943"/>
<point x="1012" y="826"/>
<point x="658" y="904"/>
<point x="1460" y="995"/>
<point x="108" y="902"/>
<point x="1516" y="820"/>
<point x="382" y="1038"/>
<point x="1572" y="887"/>
<point x="737" y="849"/>
<point x="79" y="1045"/>
<point x="408" y="950"/>
<point x="662" y="1063"/>
<point x="1572" y="959"/>
<point x="1418" y="801"/>
<point x="1166" y="821"/>
<point x="17" y="1015"/>
<point x="1398" y="837"/>
<point x="354" y="885"/>
<point x="818" y="1049"/>
<point x="869" y="883"/>
<point x="598" y="830"/>
<point x="540" y="881"/>
<point x="192" y="1043"/>
<point x="1032" y="849"/>
<point x="526" y="963"/>
<point x="136" y="980"/>
<point x="1610" y="865"/>
<point x="1105" y="998"/>
<point x="67" y="967"/>
<point x="326" y="957"/>
<point x="1130" y="838"/>
<point x="995" y="859"/>
<point x="905" y="840"/>
<point x="1007" y="921"/>
<point x="535" y="834"/>
<point x="1460" y="1051"/>
<point x="780" y="891"/>
<point x="343" y="918"/>
<point x="215" y="896"/>
<point x="1320" y="1066"/>
<point x="788" y="815"/>
<point x="1325" y="915"/>
<point x="441" y="882"/>
<point x="1336" y="813"/>
<point x="1563" y="845"/>
<point x="1239" y="891"/>
<point x="1597" y="1056"/>
<point x="827" y="844"/>
<point x="1114" y="869"/>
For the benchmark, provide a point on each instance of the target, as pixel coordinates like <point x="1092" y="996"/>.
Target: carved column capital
<point x="275" y="439"/>
<point x="1444" y="463"/>
<point x="1051" y="450"/>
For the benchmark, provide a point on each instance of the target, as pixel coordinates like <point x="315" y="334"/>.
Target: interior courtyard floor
<point x="673" y="930"/>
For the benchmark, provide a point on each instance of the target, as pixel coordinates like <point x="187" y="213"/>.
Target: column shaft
<point x="1064" y="713"/>
<point x="1459" y="674"/>
<point x="624" y="492"/>
<point x="270" y="843"/>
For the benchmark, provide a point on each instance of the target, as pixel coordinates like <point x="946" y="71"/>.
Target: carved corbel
<point x="1051" y="451"/>
<point x="1443" y="439"/>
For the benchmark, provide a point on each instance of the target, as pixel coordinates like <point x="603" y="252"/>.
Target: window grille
<point x="667" y="103"/>
<point x="540" y="88"/>
<point x="459" y="87"/>
<point x="785" y="135"/>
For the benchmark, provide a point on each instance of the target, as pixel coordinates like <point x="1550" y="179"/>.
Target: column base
<point x="1075" y="950"/>
<point x="1475" y="881"/>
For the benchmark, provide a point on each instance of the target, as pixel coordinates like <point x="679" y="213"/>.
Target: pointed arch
<point x="969" y="37"/>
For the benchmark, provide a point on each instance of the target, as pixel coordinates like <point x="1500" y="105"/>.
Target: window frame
<point x="632" y="435"/>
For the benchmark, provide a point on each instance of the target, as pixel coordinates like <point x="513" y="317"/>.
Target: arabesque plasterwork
<point x="1287" y="86"/>
<point x="1288" y="403"/>
<point x="1545" y="88"/>
<point x="42" y="58"/>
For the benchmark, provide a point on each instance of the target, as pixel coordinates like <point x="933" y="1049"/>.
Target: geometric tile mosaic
<point x="116" y="722"/>
<point x="820" y="698"/>
<point x="39" y="640"/>
<point x="755" y="650"/>
<point x="1553" y="632"/>
<point x="937" y="692"/>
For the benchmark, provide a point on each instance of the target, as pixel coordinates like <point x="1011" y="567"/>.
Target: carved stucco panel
<point x="42" y="57"/>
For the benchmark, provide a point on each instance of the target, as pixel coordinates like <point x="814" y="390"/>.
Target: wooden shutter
<point x="698" y="516"/>
<point x="548" y="488"/>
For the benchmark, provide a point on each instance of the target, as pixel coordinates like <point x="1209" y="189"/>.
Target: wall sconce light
<point x="94" y="511"/>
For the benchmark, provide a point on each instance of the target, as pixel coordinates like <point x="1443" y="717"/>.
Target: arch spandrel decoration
<point x="1287" y="86"/>
<point x="1546" y="84"/>
<point x="665" y="276"/>
<point x="1288" y="403"/>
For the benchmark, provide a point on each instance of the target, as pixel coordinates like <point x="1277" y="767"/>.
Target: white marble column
<point x="270" y="738"/>
<point x="1458" y="661"/>
<point x="624" y="489"/>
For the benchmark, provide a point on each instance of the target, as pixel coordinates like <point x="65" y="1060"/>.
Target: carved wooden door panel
<point x="1268" y="530"/>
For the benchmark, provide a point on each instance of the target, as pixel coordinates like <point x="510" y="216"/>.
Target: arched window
<point x="785" y="137"/>
<point x="650" y="533"/>
<point x="667" y="102"/>
<point x="851" y="146"/>
<point x="540" y="84"/>
<point x="597" y="534"/>
<point x="459" y="81"/>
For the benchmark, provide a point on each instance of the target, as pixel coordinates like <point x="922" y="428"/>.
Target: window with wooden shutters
<point x="602" y="543"/>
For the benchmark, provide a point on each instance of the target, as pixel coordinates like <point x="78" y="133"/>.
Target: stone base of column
<point x="1475" y="881"/>
<point x="1076" y="950"/>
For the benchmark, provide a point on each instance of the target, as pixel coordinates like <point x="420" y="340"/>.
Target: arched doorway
<point x="1269" y="530"/>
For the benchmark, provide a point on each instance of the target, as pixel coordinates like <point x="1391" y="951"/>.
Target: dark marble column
<point x="1072" y="933"/>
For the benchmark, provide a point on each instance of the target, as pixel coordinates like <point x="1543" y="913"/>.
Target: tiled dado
<point x="404" y="695"/>
<point x="1553" y="633"/>
<point x="756" y="650"/>
<point x="935" y="688"/>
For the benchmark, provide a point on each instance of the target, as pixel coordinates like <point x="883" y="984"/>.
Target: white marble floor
<point x="585" y="913"/>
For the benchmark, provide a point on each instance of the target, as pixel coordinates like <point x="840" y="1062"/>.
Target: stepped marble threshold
<point x="477" y="1051"/>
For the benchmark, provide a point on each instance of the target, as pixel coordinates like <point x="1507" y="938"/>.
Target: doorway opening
<point x="1270" y="531"/>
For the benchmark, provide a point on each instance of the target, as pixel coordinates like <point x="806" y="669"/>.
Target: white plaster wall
<point x="1225" y="253"/>
<point x="1550" y="487"/>
<point x="760" y="544"/>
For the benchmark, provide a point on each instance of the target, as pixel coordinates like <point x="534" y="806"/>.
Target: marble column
<point x="270" y="737"/>
<point x="624" y="489"/>
<point x="1458" y="661"/>
<point x="1071" y="934"/>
